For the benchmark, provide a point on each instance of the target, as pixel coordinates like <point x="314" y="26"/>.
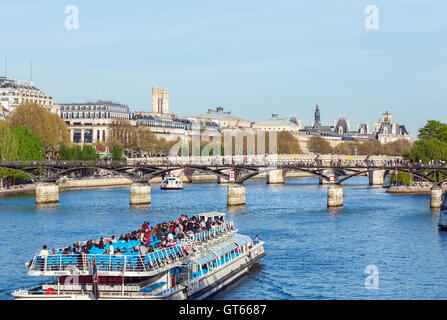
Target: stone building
<point x="386" y="131"/>
<point x="277" y="124"/>
<point x="340" y="131"/>
<point x="224" y="119"/>
<point x="89" y="122"/>
<point x="14" y="92"/>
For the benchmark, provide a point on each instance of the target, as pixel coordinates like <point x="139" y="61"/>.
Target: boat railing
<point x="126" y="262"/>
<point x="208" y="234"/>
<point x="122" y="263"/>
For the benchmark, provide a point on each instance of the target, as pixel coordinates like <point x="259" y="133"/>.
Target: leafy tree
<point x="318" y="144"/>
<point x="28" y="144"/>
<point x="117" y="152"/>
<point x="433" y="130"/>
<point x="8" y="144"/>
<point x="49" y="127"/>
<point x="346" y="148"/>
<point x="74" y="153"/>
<point x="427" y="150"/>
<point x="287" y="143"/>
<point x="402" y="178"/>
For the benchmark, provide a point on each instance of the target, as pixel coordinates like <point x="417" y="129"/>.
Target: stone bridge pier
<point x="275" y="176"/>
<point x="235" y="194"/>
<point x="334" y="196"/>
<point x="47" y="193"/>
<point x="376" y="178"/>
<point x="436" y="197"/>
<point x="327" y="173"/>
<point x="140" y="193"/>
<point x="185" y="175"/>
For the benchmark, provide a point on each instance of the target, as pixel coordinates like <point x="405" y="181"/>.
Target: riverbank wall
<point x="412" y="190"/>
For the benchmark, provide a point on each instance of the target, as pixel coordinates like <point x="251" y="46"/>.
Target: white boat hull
<point x="199" y="288"/>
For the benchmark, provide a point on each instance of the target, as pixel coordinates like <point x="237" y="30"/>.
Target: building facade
<point x="340" y="131"/>
<point x="386" y="131"/>
<point x="14" y="92"/>
<point x="221" y="118"/>
<point x="276" y="124"/>
<point x="89" y="122"/>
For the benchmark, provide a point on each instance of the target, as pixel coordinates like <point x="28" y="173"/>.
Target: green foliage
<point x="77" y="153"/>
<point x="49" y="127"/>
<point x="8" y="145"/>
<point x="426" y="150"/>
<point x="433" y="130"/>
<point x="402" y="178"/>
<point x="432" y="143"/>
<point x="117" y="152"/>
<point x="28" y="144"/>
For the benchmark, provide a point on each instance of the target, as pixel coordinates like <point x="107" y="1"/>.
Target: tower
<point x="317" y="116"/>
<point x="160" y="100"/>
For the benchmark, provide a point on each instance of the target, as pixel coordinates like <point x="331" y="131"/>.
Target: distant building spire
<point x="317" y="116"/>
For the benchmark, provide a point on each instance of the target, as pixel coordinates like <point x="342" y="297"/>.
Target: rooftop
<point x="275" y="121"/>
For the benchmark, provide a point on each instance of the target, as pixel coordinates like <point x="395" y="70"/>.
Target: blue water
<point x="312" y="253"/>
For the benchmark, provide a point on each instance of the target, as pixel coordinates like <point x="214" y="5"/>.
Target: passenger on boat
<point x="111" y="249"/>
<point x="44" y="252"/>
<point x="142" y="250"/>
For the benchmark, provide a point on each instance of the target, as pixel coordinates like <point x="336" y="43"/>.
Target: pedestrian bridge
<point x="332" y="171"/>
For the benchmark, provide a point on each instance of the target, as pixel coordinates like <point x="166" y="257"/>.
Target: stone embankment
<point x="412" y="190"/>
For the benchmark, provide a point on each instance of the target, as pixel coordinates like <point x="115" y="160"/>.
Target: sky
<point x="254" y="58"/>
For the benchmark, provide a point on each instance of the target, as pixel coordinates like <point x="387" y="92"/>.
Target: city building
<point x="276" y="124"/>
<point x="224" y="119"/>
<point x="14" y="92"/>
<point x="386" y="131"/>
<point x="161" y="124"/>
<point x="341" y="130"/>
<point x="89" y="122"/>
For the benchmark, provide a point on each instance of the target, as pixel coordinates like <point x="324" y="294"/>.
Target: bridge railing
<point x="322" y="161"/>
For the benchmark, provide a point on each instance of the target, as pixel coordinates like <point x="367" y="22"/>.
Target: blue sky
<point x="254" y="58"/>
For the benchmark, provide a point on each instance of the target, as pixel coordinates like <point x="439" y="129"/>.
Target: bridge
<point x="330" y="170"/>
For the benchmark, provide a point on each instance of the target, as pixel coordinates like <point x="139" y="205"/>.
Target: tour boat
<point x="171" y="183"/>
<point x="194" y="267"/>
<point x="442" y="222"/>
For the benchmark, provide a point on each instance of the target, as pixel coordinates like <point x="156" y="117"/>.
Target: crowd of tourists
<point x="149" y="239"/>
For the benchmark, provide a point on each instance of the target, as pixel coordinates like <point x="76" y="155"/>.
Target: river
<point x="312" y="253"/>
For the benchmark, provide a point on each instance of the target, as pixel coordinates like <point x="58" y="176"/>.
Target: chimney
<point x="349" y="124"/>
<point x="300" y="121"/>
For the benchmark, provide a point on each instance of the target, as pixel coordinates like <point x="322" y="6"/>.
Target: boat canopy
<point x="207" y="259"/>
<point x="225" y="248"/>
<point x="211" y="215"/>
<point x="241" y="239"/>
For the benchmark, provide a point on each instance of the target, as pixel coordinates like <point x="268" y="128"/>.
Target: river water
<point x="312" y="253"/>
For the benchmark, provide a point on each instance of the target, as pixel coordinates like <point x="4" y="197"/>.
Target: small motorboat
<point x="442" y="222"/>
<point x="171" y="183"/>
